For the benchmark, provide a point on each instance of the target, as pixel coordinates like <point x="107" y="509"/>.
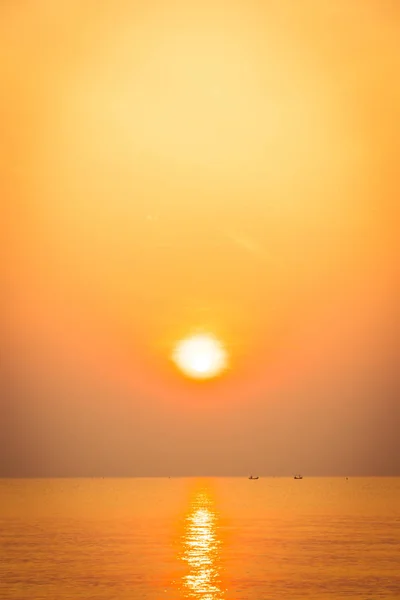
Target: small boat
<point x="298" y="477"/>
<point x="251" y="477"/>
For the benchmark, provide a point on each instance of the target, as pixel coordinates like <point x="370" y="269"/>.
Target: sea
<point x="273" y="538"/>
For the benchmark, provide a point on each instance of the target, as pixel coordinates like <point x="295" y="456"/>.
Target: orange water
<point x="120" y="539"/>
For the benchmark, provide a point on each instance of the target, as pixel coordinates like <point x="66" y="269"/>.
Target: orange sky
<point x="169" y="167"/>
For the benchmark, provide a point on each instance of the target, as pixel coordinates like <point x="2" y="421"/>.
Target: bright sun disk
<point x="200" y="356"/>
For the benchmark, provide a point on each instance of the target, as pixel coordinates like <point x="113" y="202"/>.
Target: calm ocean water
<point x="125" y="539"/>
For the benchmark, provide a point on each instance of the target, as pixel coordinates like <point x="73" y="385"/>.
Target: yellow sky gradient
<point x="170" y="168"/>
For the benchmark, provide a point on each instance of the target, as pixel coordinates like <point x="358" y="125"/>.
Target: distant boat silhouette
<point x="298" y="477"/>
<point x="251" y="477"/>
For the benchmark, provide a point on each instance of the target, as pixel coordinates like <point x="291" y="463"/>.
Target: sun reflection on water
<point x="201" y="545"/>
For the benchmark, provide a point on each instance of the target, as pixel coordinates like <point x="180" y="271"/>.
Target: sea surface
<point x="222" y="538"/>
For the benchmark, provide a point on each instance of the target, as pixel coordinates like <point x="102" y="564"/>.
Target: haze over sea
<point x="217" y="538"/>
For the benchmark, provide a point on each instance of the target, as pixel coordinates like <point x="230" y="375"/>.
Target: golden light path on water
<point x="201" y="549"/>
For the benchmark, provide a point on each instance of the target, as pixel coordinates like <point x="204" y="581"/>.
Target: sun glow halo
<point x="200" y="356"/>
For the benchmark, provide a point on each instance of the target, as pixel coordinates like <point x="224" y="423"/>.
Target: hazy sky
<point x="173" y="167"/>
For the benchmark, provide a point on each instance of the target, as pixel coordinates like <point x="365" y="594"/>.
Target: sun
<point x="200" y="356"/>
